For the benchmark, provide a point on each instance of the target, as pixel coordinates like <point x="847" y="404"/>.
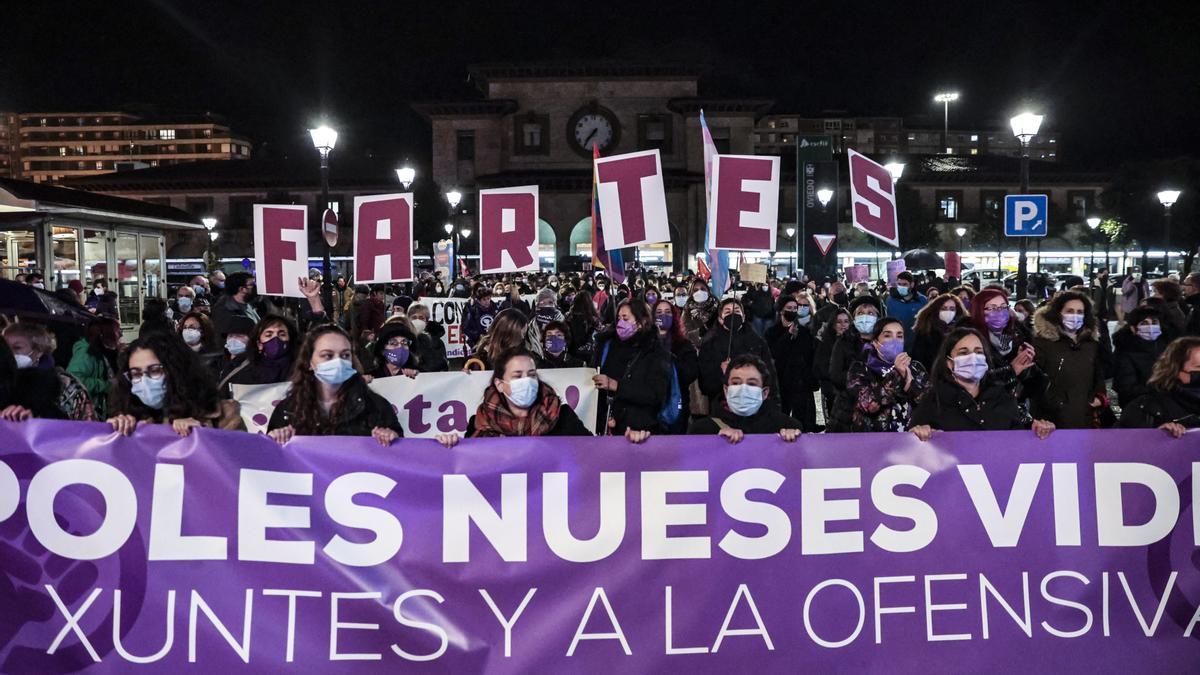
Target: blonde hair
<point x="41" y="339"/>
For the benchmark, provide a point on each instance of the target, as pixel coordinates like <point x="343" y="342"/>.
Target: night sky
<point x="1120" y="80"/>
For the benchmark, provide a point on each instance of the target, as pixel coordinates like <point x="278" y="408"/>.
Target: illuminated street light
<point x="406" y="175"/>
<point x="824" y="195"/>
<point x="946" y="98"/>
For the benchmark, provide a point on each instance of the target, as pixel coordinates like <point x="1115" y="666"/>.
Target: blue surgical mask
<point x="185" y="304"/>
<point x="902" y="291"/>
<point x="524" y="391"/>
<point x="235" y="346"/>
<point x="743" y="399"/>
<point x="865" y="323"/>
<point x="150" y="391"/>
<point x="334" y="371"/>
<point x="1072" y="322"/>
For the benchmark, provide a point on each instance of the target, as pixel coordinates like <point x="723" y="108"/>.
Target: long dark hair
<point x="829" y="330"/>
<point x="678" y="337"/>
<point x="306" y="398"/>
<point x="191" y="391"/>
<point x="208" y="334"/>
<point x="583" y="307"/>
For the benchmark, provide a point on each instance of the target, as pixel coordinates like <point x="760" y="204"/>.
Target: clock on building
<point x="593" y="125"/>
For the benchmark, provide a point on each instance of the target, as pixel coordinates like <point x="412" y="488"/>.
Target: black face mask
<point x="840" y="298"/>
<point x="1193" y="383"/>
<point x="733" y="322"/>
<point x="790" y="315"/>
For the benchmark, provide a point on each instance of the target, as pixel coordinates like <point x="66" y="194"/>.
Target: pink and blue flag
<point x="718" y="260"/>
<point x="611" y="261"/>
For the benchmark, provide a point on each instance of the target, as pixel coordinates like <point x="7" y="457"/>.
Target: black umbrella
<point x="27" y="302"/>
<point x="923" y="259"/>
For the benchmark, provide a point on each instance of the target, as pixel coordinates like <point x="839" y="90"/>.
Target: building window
<point x="991" y="205"/>
<point x="1081" y="203"/>
<point x="974" y="151"/>
<point x="62" y="152"/>
<point x="721" y="139"/>
<point x="166" y="134"/>
<point x="948" y="205"/>
<point x="654" y="131"/>
<point x="974" y="138"/>
<point x="99" y="166"/>
<point x="465" y="148"/>
<point x="532" y="134"/>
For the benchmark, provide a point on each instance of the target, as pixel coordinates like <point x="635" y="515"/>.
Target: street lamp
<point x="406" y="175"/>
<point x="896" y="169"/>
<point x="946" y="98"/>
<point x="210" y="223"/>
<point x="824" y="195"/>
<point x="1167" y="198"/>
<point x="1024" y="127"/>
<point x="791" y="234"/>
<point x="1093" y="223"/>
<point x="455" y="198"/>
<point x="324" y="139"/>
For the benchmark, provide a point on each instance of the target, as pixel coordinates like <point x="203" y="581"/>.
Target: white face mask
<point x="98" y="291"/>
<point x="700" y="296"/>
<point x="23" y="361"/>
<point x="235" y="346"/>
<point x="524" y="391"/>
<point x="947" y="315"/>
<point x="191" y="336"/>
<point x="743" y="399"/>
<point x="680" y="301"/>
<point x="970" y="367"/>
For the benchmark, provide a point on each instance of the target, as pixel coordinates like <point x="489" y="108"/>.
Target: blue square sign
<point x="1026" y="215"/>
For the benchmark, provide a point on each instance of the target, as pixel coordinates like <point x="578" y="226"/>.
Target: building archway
<point x="581" y="238"/>
<point x="546" y="245"/>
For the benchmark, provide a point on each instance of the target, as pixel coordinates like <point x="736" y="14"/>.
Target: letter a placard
<point x="745" y="203"/>
<point x="508" y="230"/>
<point x="383" y="241"/>
<point x="633" y="201"/>
<point x="280" y="248"/>
<point x="873" y="199"/>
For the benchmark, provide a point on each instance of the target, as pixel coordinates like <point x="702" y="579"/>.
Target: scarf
<point x="495" y="418"/>
<point x="874" y="362"/>
<point x="1003" y="342"/>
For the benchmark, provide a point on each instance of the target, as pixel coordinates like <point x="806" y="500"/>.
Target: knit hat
<point x="861" y="300"/>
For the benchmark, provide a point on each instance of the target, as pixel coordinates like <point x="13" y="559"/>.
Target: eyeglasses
<point x="156" y="372"/>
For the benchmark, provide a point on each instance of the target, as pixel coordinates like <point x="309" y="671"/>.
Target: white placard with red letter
<point x="383" y="238"/>
<point x="280" y="248"/>
<point x="633" y="201"/>
<point x="873" y="199"/>
<point x="745" y="203"/>
<point x="508" y="230"/>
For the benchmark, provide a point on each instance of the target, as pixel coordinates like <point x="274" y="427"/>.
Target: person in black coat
<point x="838" y="325"/>
<point x="392" y="351"/>
<point x="729" y="336"/>
<point x="429" y="346"/>
<point x="793" y="346"/>
<point x="934" y="322"/>
<point x="668" y="321"/>
<point x="635" y="373"/>
<point x="1173" y="402"/>
<point x="1136" y="346"/>
<point x="965" y="396"/>
<point x="27" y="393"/>
<point x="554" y="348"/>
<point x="865" y="311"/>
<point x="747" y="387"/>
<point x="269" y="354"/>
<point x="329" y="397"/>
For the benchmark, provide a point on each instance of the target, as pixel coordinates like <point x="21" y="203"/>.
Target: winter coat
<point x="1157" y="408"/>
<point x="103" y="305"/>
<point x="687" y="369"/>
<point x="793" y="355"/>
<point x="262" y="371"/>
<point x="947" y="406"/>
<point x="37" y="389"/>
<point x="564" y="360"/>
<point x="768" y="420"/>
<point x="716" y="347"/>
<point x="845" y="351"/>
<point x="758" y="303"/>
<point x="1133" y="360"/>
<point x="568" y="424"/>
<point x="1070" y="376"/>
<point x="431" y="349"/>
<point x="821" y="368"/>
<point x="697" y="317"/>
<point x="582" y="340"/>
<point x="925" y="346"/>
<point x="362" y="412"/>
<point x="94" y="373"/>
<point x="905" y="309"/>
<point x="642" y="368"/>
<point x="877" y="401"/>
<point x="476" y="320"/>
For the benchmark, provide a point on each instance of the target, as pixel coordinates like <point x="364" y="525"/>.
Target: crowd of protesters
<point x="671" y="355"/>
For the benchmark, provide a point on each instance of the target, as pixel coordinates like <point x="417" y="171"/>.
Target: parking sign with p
<point x="1026" y="215"/>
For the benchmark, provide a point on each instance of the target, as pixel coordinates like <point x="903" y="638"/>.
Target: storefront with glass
<point x="69" y="234"/>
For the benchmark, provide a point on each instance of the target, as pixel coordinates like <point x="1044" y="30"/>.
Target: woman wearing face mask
<point x="198" y="334"/>
<point x="392" y="350"/>
<point x="965" y="295"/>
<point x="1068" y="387"/>
<point x="1173" y="400"/>
<point x="1023" y="312"/>
<point x="554" y="348"/>
<point x="882" y="386"/>
<point x="32" y="385"/>
<point x="101" y="301"/>
<point x="936" y="319"/>
<point x="1008" y="340"/>
<point x="792" y="346"/>
<point x="680" y="297"/>
<point x="964" y="396"/>
<point x="1136" y="347"/>
<point x="268" y="357"/>
<point x="747" y="387"/>
<point x="329" y="397"/>
<point x="584" y="321"/>
<point x="429" y="347"/>
<point x="730" y="336"/>
<point x="510" y="331"/>
<point x="478" y="316"/>
<point x="517" y="403"/>
<point x="669" y="325"/>
<point x="838" y="324"/>
<point x="699" y="312"/>
<point x="161" y="383"/>
<point x="865" y="311"/>
<point x="94" y="361"/>
<point x="634" y="373"/>
<point x="546" y="309"/>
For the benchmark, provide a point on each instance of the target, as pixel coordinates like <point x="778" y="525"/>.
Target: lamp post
<point x="465" y="233"/>
<point x="1167" y="198"/>
<point x="946" y="98"/>
<point x="1093" y="223"/>
<point x="960" y="231"/>
<point x="791" y="233"/>
<point x="324" y="139"/>
<point x="406" y="175"/>
<point x="209" y="224"/>
<point x="1025" y="127"/>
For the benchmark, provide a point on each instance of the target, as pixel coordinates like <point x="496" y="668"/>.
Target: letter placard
<point x="383" y="241"/>
<point x="508" y="230"/>
<point x="280" y="248"/>
<point x="633" y="201"/>
<point x="873" y="195"/>
<point x="745" y="203"/>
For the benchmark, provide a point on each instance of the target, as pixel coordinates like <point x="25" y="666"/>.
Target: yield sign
<point x="824" y="242"/>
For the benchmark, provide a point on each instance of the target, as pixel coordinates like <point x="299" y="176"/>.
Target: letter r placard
<point x="508" y="230"/>
<point x="280" y="248"/>
<point x="633" y="201"/>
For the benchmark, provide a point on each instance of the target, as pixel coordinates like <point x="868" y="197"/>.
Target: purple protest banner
<point x="894" y="268"/>
<point x="972" y="552"/>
